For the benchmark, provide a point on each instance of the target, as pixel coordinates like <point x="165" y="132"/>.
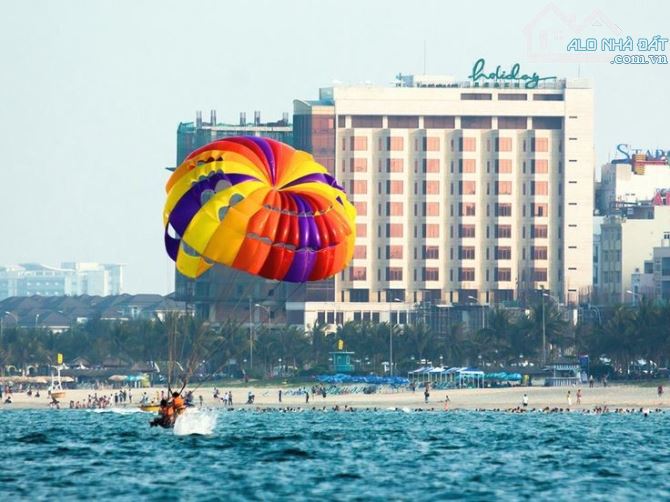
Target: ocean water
<point x="77" y="454"/>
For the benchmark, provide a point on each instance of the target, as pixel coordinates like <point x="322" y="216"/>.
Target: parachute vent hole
<point x="172" y="232"/>
<point x="236" y="199"/>
<point x="189" y="250"/>
<point x="223" y="211"/>
<point x="222" y="185"/>
<point x="205" y="196"/>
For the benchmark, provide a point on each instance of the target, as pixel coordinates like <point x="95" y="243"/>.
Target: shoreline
<point x="612" y="396"/>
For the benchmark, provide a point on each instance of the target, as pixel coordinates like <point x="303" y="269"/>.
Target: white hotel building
<point x="463" y="192"/>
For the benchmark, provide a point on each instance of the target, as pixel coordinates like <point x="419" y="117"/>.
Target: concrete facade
<point x="464" y="194"/>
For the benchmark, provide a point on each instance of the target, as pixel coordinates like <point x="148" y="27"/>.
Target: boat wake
<point x="195" y="421"/>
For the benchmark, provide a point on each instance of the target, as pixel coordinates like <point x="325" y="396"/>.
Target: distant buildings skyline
<point x="71" y="278"/>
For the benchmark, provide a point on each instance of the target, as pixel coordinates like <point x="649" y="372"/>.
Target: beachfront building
<point x="627" y="241"/>
<point x="637" y="177"/>
<point x="222" y="292"/>
<point x="466" y="192"/>
<point x="71" y="278"/>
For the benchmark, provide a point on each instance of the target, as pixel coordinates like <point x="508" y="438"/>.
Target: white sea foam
<point x="195" y="421"/>
<point x="120" y="411"/>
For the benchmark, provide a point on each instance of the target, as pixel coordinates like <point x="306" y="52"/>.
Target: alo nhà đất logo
<point x="514" y="74"/>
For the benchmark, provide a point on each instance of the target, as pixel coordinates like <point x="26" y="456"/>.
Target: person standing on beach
<point x="279" y="393"/>
<point x="446" y="402"/>
<point x="659" y="390"/>
<point x="569" y="398"/>
<point x="306" y="396"/>
<point x="426" y="393"/>
<point x="524" y="400"/>
<point x="579" y="396"/>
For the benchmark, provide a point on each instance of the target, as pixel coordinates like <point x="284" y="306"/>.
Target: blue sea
<point x="77" y="454"/>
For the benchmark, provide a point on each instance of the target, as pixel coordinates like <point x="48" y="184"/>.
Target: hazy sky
<point x="91" y="94"/>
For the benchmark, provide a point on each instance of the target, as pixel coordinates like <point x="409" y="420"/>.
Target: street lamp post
<point x="251" y="345"/>
<point x="2" y="319"/>
<point x="251" y="336"/>
<point x="391" y="335"/>
<point x="634" y="295"/>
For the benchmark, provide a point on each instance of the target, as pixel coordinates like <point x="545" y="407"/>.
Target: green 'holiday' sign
<point x="514" y="74"/>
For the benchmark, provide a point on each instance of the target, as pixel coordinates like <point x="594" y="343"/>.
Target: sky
<point x="92" y="92"/>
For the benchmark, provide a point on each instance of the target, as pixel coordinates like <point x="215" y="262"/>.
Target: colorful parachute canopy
<point x="260" y="206"/>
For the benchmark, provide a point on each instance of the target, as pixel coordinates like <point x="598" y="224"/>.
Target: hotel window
<point x="359" y="186"/>
<point x="359" y="295"/>
<point x="547" y="97"/>
<point x="467" y="144"/>
<point x="503" y="165"/>
<point x="357" y="273"/>
<point x="431" y="230"/>
<point x="466" y="231"/>
<point x="512" y="96"/>
<point x="503" y="209"/>
<point x="476" y="96"/>
<point x="394" y="209"/>
<point x="540" y="166"/>
<point x="466" y="209"/>
<point x="439" y="122"/>
<point x="341" y="121"/>
<point x="466" y="253"/>
<point x="503" y="231"/>
<point x="547" y="123"/>
<point x="395" y="143"/>
<point x="394" y="165"/>
<point x="539" y="188"/>
<point x="360" y="252"/>
<point x="503" y="274"/>
<point x="403" y="122"/>
<point x="476" y="122"/>
<point x="467" y="187"/>
<point x="366" y="121"/>
<point x="538" y="231"/>
<point x="539" y="144"/>
<point x="431" y="144"/>
<point x="394" y="186"/>
<point x="431" y="165"/>
<point x="358" y="165"/>
<point x="503" y="253"/>
<point x="503" y="187"/>
<point x="431" y="209"/>
<point x="431" y="274"/>
<point x="394" y="273"/>
<point x="539" y="210"/>
<point x="394" y="230"/>
<point x="431" y="187"/>
<point x="503" y="144"/>
<point x="393" y="252"/>
<point x="359" y="143"/>
<point x="361" y="229"/>
<point x="467" y="166"/>
<point x="512" y="123"/>
<point x="539" y="274"/>
<point x="538" y="252"/>
<point x="431" y="252"/>
<point x="466" y="274"/>
<point x="361" y="208"/>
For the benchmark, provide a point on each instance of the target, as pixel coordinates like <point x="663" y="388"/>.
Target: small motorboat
<point x="151" y="407"/>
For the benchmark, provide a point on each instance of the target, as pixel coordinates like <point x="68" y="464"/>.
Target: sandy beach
<point x="613" y="396"/>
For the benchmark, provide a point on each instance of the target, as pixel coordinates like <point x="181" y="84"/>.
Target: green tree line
<point x="510" y="336"/>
